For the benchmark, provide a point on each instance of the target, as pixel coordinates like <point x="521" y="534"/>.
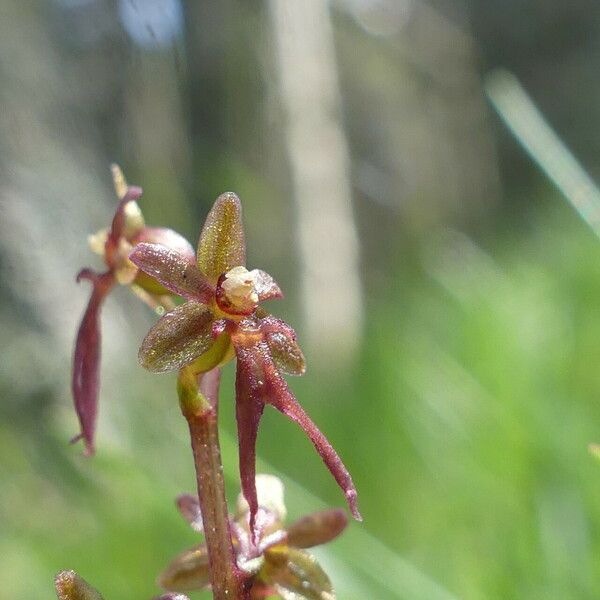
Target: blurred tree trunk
<point x="416" y="113"/>
<point x="319" y="162"/>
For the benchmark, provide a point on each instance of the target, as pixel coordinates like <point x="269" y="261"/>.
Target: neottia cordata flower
<point x="222" y="317"/>
<point x="114" y="245"/>
<point x="277" y="563"/>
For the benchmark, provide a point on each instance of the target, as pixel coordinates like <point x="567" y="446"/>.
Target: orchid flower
<point x="221" y="317"/>
<point x="114" y="245"/>
<point x="277" y="563"/>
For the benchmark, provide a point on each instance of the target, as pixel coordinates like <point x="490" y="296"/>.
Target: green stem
<point x="200" y="411"/>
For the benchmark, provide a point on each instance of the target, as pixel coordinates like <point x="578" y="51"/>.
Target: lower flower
<point x="274" y="559"/>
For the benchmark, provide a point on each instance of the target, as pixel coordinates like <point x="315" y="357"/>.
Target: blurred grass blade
<point x="319" y="159"/>
<point x="594" y="450"/>
<point x="533" y="132"/>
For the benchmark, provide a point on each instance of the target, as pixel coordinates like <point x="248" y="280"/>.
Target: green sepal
<point x="296" y="575"/>
<point x="70" y="586"/>
<point x="220" y="353"/>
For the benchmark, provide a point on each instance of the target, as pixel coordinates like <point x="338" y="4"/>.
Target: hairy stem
<point x="199" y="407"/>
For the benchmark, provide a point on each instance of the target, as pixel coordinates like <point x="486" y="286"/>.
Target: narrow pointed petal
<point x="222" y="245"/>
<point x="69" y="586"/>
<point x="317" y="528"/>
<point x="189" y="507"/>
<point x="248" y="410"/>
<point x="284" y="348"/>
<point x="187" y="572"/>
<point x="265" y="286"/>
<point x="85" y="381"/>
<point x="300" y="577"/>
<point x="177" y="339"/>
<point x="173" y="271"/>
<point x="277" y="393"/>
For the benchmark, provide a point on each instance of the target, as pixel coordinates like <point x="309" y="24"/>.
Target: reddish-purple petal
<point x="317" y="528"/>
<point x="172" y="270"/>
<point x="260" y="380"/>
<point x="222" y="245"/>
<point x="85" y="382"/>
<point x="248" y="409"/>
<point x="189" y="507"/>
<point x="122" y="227"/>
<point x="177" y="339"/>
<point x="280" y="396"/>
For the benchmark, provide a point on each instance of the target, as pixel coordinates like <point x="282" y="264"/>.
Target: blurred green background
<point x="447" y="297"/>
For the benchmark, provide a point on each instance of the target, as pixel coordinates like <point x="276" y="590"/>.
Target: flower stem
<point x="199" y="407"/>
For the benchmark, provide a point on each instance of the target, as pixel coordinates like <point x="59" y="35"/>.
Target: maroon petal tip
<point x="352" y="499"/>
<point x="87" y="274"/>
<point x="89" y="449"/>
<point x="134" y="192"/>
